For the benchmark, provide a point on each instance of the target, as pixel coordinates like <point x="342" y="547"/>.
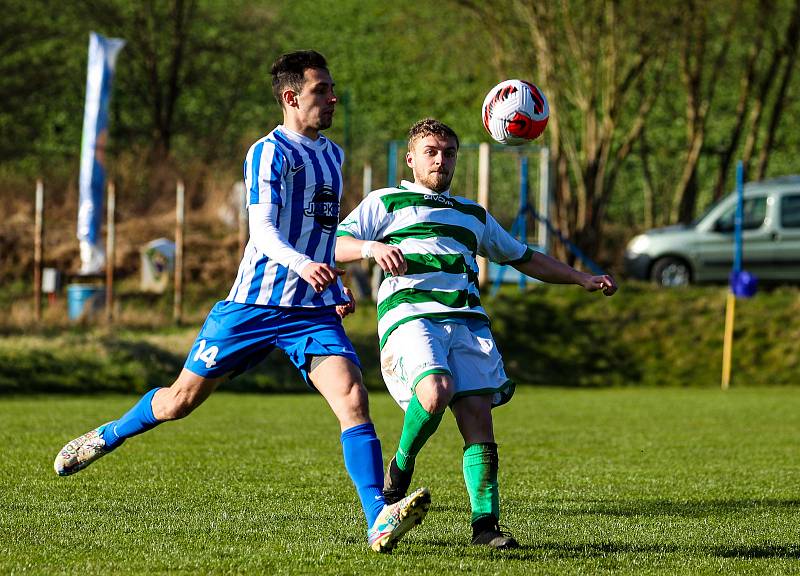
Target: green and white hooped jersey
<point x="440" y="236"/>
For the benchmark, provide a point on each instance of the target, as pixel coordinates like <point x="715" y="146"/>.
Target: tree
<point x="784" y="56"/>
<point x="35" y="67"/>
<point x="187" y="70"/>
<point x="701" y="65"/>
<point x="706" y="60"/>
<point x="600" y="66"/>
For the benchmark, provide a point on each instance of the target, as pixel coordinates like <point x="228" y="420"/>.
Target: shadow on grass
<point x="758" y="551"/>
<point x="603" y="549"/>
<point x="563" y="550"/>
<point x="533" y="549"/>
<point x="662" y="507"/>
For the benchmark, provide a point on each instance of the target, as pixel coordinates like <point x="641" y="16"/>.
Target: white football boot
<point x="397" y="519"/>
<point x="81" y="452"/>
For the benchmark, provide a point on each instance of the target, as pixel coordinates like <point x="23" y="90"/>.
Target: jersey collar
<point x="405" y="184"/>
<point x="298" y="138"/>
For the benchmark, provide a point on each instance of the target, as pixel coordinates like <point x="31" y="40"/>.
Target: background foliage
<point x="650" y="103"/>
<point x="551" y="336"/>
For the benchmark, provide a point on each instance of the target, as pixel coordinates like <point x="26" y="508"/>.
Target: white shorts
<point x="422" y="347"/>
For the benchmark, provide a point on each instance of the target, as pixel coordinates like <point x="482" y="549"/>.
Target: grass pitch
<point x="630" y="481"/>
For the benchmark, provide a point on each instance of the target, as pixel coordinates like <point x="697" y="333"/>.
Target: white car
<point x="703" y="250"/>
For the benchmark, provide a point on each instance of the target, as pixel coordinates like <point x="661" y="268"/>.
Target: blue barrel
<point x="84" y="300"/>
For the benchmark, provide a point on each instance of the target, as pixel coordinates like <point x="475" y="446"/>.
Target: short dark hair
<point x="430" y="127"/>
<point x="289" y="69"/>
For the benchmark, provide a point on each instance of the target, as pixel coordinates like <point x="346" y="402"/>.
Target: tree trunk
<point x="790" y="51"/>
<point x="745" y="88"/>
<point x="700" y="95"/>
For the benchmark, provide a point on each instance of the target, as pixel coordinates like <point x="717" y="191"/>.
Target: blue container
<point x="743" y="284"/>
<point x="84" y="300"/>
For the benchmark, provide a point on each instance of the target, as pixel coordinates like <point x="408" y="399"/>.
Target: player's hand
<point x="320" y="276"/>
<point x="389" y="258"/>
<point x="605" y="283"/>
<point x="344" y="309"/>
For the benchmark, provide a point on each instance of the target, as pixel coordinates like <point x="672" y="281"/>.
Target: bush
<point x="550" y="335"/>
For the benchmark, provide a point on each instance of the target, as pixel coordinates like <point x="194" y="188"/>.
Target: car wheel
<point x="671" y="271"/>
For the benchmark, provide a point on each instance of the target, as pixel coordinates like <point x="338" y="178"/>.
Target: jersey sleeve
<point x="267" y="238"/>
<point x="363" y="223"/>
<point x="499" y="246"/>
<point x="265" y="170"/>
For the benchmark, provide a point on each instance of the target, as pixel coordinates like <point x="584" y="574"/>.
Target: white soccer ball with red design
<point x="515" y="112"/>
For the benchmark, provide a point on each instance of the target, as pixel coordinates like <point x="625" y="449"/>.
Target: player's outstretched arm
<point x="389" y="258"/>
<point x="548" y="269"/>
<point x="348" y="249"/>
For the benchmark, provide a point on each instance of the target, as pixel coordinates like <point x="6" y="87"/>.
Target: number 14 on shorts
<point x="207" y="355"/>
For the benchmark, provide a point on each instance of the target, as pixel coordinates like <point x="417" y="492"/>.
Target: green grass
<point x="632" y="481"/>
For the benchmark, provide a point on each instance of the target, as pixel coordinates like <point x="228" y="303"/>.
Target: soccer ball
<point x="515" y="112"/>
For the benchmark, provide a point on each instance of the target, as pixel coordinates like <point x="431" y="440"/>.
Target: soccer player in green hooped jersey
<point x="436" y="347"/>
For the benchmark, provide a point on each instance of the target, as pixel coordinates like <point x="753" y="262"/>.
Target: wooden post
<point x="375" y="279"/>
<point x="244" y="226"/>
<point x="545" y="194"/>
<point x="110" y="248"/>
<point x="38" y="234"/>
<point x="177" y="308"/>
<point x="730" y="308"/>
<point x="366" y="182"/>
<point x="484" y="151"/>
<point x="727" y="345"/>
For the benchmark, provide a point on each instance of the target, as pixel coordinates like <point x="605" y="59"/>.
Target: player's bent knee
<point x="435" y="392"/>
<point x="352" y="407"/>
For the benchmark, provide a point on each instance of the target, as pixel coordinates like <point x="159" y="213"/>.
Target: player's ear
<point x="409" y="160"/>
<point x="289" y="97"/>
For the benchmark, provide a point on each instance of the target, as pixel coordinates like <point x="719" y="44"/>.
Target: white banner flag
<point x="102" y="59"/>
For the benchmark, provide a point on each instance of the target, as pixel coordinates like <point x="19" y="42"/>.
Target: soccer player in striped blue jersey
<point x="287" y="295"/>
<point x="436" y="346"/>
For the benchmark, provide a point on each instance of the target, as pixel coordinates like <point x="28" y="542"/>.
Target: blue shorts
<point x="235" y="337"/>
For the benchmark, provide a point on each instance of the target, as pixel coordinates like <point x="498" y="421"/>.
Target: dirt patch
<point x="211" y="239"/>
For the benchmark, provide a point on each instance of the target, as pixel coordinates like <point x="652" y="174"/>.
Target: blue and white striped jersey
<point x="304" y="178"/>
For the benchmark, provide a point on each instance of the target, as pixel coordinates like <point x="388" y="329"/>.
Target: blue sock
<point x="364" y="463"/>
<point x="138" y="419"/>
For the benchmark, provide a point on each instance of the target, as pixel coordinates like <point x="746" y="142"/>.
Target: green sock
<point x="480" y="476"/>
<point x="418" y="426"/>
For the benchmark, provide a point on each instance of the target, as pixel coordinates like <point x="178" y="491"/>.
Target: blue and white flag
<point x="102" y="59"/>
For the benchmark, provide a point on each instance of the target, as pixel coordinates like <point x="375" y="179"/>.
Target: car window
<point x="755" y="210"/>
<point x="708" y="210"/>
<point x="790" y="211"/>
